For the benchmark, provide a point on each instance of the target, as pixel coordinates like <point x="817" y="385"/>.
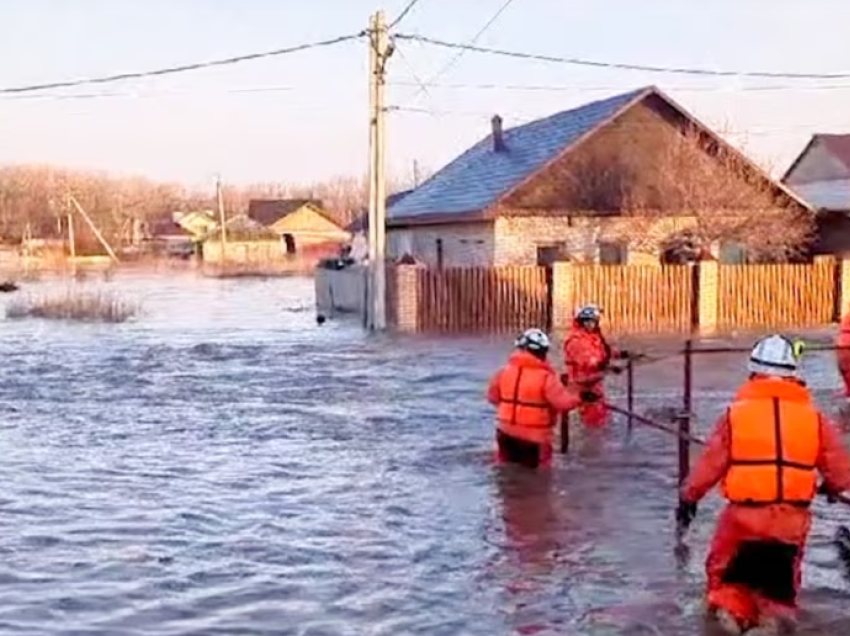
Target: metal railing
<point x="683" y="418"/>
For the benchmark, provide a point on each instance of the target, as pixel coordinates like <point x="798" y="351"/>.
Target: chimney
<point x="498" y="135"/>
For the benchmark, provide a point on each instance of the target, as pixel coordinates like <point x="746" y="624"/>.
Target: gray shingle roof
<point x="480" y="176"/>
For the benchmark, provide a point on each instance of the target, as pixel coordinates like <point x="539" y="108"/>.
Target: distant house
<point x="170" y="238"/>
<point x="301" y="224"/>
<point x="359" y="227"/>
<point x="821" y="176"/>
<point x="526" y="195"/>
<point x="245" y="240"/>
<point x="821" y="173"/>
<point x="198" y="222"/>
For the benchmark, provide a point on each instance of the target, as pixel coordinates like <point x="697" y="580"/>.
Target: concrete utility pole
<point x="380" y="51"/>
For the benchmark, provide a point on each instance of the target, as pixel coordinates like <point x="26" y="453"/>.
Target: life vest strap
<point x="751" y="503"/>
<point x="779" y="462"/>
<point x="534" y="405"/>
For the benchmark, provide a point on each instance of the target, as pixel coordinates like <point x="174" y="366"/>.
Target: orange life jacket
<point x="523" y="410"/>
<point x="593" y="355"/>
<point x="774" y="444"/>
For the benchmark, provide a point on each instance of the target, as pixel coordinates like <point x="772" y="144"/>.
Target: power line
<point x="179" y="69"/>
<point x="629" y="128"/>
<point x="417" y="83"/>
<point x="403" y="14"/>
<point x="153" y="94"/>
<point x="618" y="65"/>
<point x="456" y="58"/>
<point x="579" y="88"/>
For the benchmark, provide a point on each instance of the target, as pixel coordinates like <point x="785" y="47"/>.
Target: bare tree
<point x="659" y="180"/>
<point x="698" y="189"/>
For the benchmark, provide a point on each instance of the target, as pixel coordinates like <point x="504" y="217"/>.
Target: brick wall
<point x="406" y="301"/>
<point x="517" y="237"/>
<point x="464" y="245"/>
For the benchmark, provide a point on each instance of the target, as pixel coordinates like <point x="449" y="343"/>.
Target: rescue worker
<point x="587" y="357"/>
<point x="767" y="449"/>
<point x="529" y="396"/>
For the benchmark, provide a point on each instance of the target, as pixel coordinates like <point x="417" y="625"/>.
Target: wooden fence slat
<point x="635" y="298"/>
<point x="776" y="295"/>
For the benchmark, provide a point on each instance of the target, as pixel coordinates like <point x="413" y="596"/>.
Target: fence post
<point x="406" y="288"/>
<point x="565" y="433"/>
<point x="630" y="393"/>
<point x="707" y="300"/>
<point x="844" y="288"/>
<point x="562" y="295"/>
<point x="684" y="417"/>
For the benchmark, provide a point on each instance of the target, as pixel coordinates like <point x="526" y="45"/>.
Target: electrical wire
<point x="420" y="83"/>
<point x="624" y="128"/>
<point x="456" y="58"/>
<point x="618" y="65"/>
<point x="180" y="69"/>
<point x="403" y="14"/>
<point x="579" y="88"/>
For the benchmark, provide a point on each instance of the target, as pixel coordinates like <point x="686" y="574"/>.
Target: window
<point x="549" y="254"/>
<point x="439" y="253"/>
<point x="611" y="253"/>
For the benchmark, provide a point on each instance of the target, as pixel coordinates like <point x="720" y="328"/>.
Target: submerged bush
<point x="74" y="305"/>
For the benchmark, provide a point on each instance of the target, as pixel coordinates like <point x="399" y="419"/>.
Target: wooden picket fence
<point x="637" y="298"/>
<point x="776" y="295"/>
<point x="479" y="299"/>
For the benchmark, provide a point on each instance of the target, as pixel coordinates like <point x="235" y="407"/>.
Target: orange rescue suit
<point x="528" y="396"/>
<point x="774" y="446"/>
<point x="766" y="449"/>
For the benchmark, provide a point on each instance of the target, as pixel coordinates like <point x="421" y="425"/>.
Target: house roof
<point x="168" y="227"/>
<point x="837" y="145"/>
<point x="480" y="177"/>
<point x="242" y="226"/>
<point x="269" y="211"/>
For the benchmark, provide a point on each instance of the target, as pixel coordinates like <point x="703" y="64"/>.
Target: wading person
<point x="528" y="396"/>
<point x="767" y="449"/>
<point x="587" y="357"/>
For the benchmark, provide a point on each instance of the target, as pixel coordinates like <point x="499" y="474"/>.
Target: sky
<point x="304" y="116"/>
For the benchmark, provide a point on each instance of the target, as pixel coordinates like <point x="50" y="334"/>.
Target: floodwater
<point x="224" y="466"/>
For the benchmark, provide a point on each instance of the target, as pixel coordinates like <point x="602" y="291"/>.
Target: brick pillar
<point x="844" y="287"/>
<point x="707" y="300"/>
<point x="407" y="298"/>
<point x="562" y="296"/>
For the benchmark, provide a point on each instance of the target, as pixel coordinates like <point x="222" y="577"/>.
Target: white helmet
<point x="588" y="313"/>
<point x="533" y="340"/>
<point x="775" y="355"/>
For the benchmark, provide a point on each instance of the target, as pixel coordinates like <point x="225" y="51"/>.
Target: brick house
<point x="821" y="175"/>
<point x="545" y="190"/>
<point x="302" y="224"/>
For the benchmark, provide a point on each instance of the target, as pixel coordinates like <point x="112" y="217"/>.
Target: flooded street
<point x="224" y="466"/>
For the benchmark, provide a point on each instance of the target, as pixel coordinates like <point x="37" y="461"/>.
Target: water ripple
<point x="225" y="466"/>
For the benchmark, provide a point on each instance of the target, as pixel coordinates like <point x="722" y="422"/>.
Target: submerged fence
<point x="681" y="420"/>
<point x="706" y="297"/>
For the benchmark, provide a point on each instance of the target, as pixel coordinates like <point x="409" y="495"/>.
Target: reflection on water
<point x="226" y="466"/>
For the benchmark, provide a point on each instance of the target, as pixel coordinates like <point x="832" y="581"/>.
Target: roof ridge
<point x="587" y="105"/>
